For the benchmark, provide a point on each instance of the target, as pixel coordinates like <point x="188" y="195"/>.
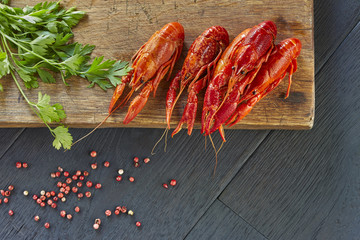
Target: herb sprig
<point x="35" y="42"/>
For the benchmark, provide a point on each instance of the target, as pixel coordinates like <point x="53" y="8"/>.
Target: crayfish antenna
<point x="99" y="125"/>
<point x="82" y="138"/>
<point x="162" y="136"/>
<point x="216" y="153"/>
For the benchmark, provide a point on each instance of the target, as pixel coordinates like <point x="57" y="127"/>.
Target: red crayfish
<point x="197" y="69"/>
<point x="150" y="64"/>
<point x="283" y="59"/>
<point x="236" y="69"/>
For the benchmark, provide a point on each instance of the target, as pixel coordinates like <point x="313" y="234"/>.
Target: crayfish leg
<point x="189" y="114"/>
<point x="171" y="97"/>
<point x="292" y="68"/>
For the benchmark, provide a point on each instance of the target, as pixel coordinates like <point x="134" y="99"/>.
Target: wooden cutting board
<point x="119" y="27"/>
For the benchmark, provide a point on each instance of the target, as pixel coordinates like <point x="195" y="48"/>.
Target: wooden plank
<point x="129" y="24"/>
<point x="220" y="222"/>
<point x="164" y="213"/>
<point x="304" y="185"/>
<point x="333" y="22"/>
<point x="7" y="138"/>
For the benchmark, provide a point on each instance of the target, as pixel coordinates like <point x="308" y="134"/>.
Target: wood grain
<point x="220" y="222"/>
<point x="333" y="21"/>
<point x="7" y="138"/>
<point x="119" y="28"/>
<point x="305" y="185"/>
<point x="164" y="213"/>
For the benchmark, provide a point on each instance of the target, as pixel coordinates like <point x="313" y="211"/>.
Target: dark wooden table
<point x="268" y="184"/>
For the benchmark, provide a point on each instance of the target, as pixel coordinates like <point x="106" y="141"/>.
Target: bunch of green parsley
<point x="35" y="43"/>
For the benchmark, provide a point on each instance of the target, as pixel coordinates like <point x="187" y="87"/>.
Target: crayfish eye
<point x="242" y="72"/>
<point x="254" y="92"/>
<point x="233" y="67"/>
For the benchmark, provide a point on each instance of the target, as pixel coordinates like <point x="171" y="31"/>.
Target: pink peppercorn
<point x="108" y="213"/>
<point x="93" y="154"/>
<point x="18" y="165"/>
<point x="77" y="209"/>
<point x="173" y="182"/>
<point x="89" y="184"/>
<point x="62" y="213"/>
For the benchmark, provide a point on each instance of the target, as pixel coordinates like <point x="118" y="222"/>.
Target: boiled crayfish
<point x="197" y="69"/>
<point x="236" y="69"/>
<point x="282" y="60"/>
<point x="150" y="64"/>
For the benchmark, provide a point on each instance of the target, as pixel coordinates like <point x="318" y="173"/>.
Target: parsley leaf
<point x="49" y="113"/>
<point x="62" y="138"/>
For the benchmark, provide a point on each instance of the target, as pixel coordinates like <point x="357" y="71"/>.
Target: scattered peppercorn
<point x="89" y="184"/>
<point x="93" y="154"/>
<point x="138" y="224"/>
<point x="47" y="225"/>
<point x="106" y="164"/>
<point x="18" y="165"/>
<point x="173" y="182"/>
<point x="165" y="185"/>
<point x="94" y="166"/>
<point x="62" y="213"/>
<point x="108" y="213"/>
<point x="146" y="160"/>
<point x="77" y="209"/>
<point x="131" y="179"/>
<point x="36" y="218"/>
<point x="11" y="212"/>
<point x="88" y="194"/>
<point x="96" y="226"/>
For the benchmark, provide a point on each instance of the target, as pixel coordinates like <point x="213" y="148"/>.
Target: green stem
<point x="31" y="104"/>
<point x="24" y="48"/>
